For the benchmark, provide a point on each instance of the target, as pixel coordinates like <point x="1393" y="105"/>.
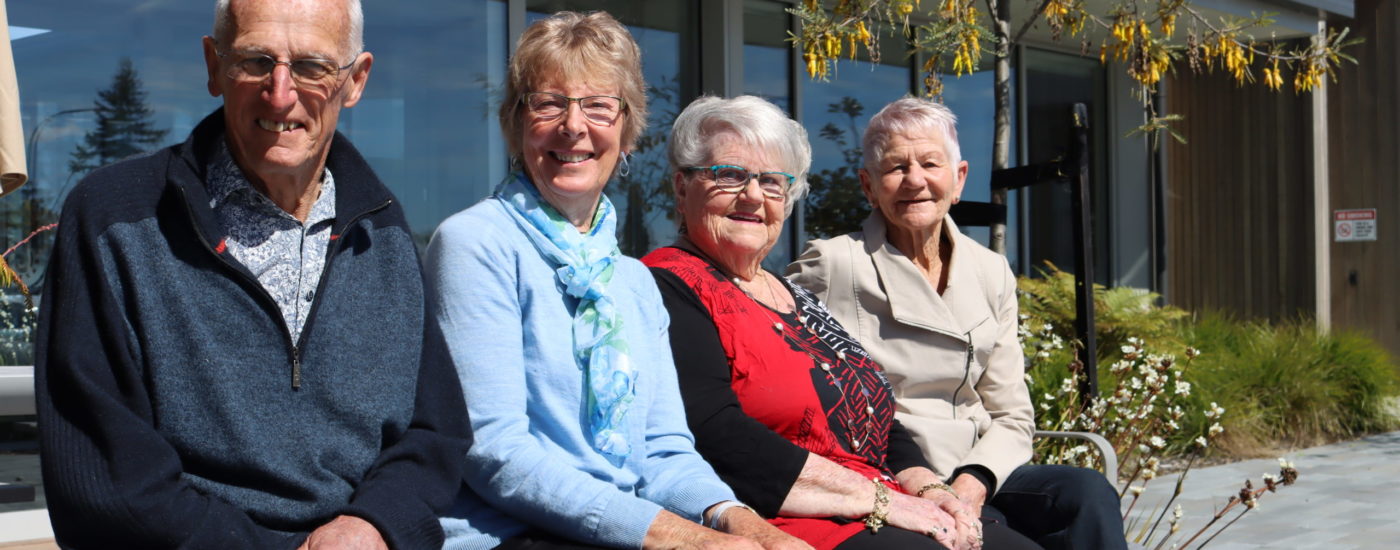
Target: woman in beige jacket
<point x="938" y="311"/>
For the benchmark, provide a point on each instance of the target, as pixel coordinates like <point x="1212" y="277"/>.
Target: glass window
<point x="767" y="53"/>
<point x="835" y="114"/>
<point x="768" y="74"/>
<point x="427" y="121"/>
<point x="971" y="97"/>
<point x="1054" y="82"/>
<point x="66" y="53"/>
<point x="643" y="195"/>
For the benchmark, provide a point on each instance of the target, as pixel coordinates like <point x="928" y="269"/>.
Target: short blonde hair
<point x="574" y="47"/>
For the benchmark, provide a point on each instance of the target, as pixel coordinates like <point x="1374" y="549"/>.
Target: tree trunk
<point x="1001" y="142"/>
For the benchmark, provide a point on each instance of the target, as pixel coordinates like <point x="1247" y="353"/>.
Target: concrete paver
<point x="1347" y="496"/>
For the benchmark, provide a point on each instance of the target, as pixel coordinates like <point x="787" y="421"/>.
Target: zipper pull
<point x="296" y="369"/>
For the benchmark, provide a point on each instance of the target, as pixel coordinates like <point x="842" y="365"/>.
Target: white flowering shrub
<point x="1144" y="406"/>
<point x="18" y="318"/>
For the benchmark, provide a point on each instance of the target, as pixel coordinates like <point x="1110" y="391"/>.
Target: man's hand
<point x="345" y="533"/>
<point x="743" y="522"/>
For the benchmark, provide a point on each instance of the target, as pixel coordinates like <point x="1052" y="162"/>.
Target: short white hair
<point x="910" y="116"/>
<point x="755" y="123"/>
<point x="355" y="41"/>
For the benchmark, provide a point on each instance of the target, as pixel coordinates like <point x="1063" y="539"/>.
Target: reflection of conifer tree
<point x="835" y="204"/>
<point x="124" y="126"/>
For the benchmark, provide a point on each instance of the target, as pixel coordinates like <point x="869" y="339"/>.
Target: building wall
<point x="1239" y="199"/>
<point x="1364" y="153"/>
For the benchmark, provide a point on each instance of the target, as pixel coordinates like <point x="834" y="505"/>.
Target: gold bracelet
<point x="936" y="485"/>
<point x="880" y="513"/>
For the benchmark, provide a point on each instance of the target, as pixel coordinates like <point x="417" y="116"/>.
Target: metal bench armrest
<point x="1110" y="457"/>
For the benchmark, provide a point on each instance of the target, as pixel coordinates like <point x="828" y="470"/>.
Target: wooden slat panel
<point x="1364" y="153"/>
<point x="1239" y="235"/>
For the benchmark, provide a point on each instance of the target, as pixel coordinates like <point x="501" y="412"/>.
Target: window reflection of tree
<point x="835" y="205"/>
<point x="644" y="194"/>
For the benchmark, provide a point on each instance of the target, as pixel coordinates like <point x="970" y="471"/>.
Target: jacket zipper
<point x="336" y="245"/>
<point x="967" y="372"/>
<point x="293" y="348"/>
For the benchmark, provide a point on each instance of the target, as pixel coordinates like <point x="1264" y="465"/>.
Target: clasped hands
<point x="947" y="517"/>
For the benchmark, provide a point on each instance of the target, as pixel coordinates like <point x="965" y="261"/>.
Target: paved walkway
<point x="1347" y="496"/>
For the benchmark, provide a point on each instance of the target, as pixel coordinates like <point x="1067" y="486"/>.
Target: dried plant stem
<point x="1223" y="528"/>
<point x="1163" y="542"/>
<point x="32" y="234"/>
<point x="1208" y="524"/>
<point x="1180" y="480"/>
<point x="8" y="275"/>
<point x="1130" y="504"/>
<point x="1254" y="494"/>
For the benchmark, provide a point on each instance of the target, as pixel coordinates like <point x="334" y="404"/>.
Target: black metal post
<point x="1078" y="160"/>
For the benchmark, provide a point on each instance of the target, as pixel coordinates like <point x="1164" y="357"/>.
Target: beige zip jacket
<point x="954" y="360"/>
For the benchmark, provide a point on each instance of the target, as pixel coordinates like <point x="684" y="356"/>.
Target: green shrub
<point x="1289" y="384"/>
<point x="1119" y="313"/>
<point x="1284" y="383"/>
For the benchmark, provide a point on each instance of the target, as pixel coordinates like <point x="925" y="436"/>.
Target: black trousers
<point x="995" y="536"/>
<point x="1060" y="507"/>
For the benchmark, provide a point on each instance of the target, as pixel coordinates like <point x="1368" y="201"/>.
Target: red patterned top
<point x="799" y="375"/>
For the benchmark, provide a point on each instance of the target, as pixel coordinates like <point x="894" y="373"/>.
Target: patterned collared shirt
<point x="286" y="255"/>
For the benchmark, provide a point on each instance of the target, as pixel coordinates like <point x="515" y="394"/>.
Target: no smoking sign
<point x="1354" y="225"/>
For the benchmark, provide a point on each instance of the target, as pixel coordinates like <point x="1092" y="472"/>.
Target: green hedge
<point x="1283" y="384"/>
<point x="1289" y="384"/>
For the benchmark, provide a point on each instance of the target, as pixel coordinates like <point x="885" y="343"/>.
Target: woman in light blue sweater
<point x="559" y="341"/>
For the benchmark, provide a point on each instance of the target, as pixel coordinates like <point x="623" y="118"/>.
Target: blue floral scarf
<point x="586" y="263"/>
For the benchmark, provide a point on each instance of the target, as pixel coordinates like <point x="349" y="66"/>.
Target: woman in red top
<point x="789" y="410"/>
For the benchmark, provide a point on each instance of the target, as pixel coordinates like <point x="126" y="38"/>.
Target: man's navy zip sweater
<point x="176" y="411"/>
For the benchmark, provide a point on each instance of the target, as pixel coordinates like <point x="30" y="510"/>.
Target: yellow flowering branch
<point x="1138" y="33"/>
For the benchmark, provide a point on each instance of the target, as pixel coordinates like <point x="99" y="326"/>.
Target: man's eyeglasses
<point x="309" y="73"/>
<point x="601" y="110"/>
<point x="734" y="179"/>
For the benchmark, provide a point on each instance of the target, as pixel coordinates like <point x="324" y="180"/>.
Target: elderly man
<point x="234" y="350"/>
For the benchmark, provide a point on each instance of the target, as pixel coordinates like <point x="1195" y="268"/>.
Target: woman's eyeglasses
<point x="601" y="110"/>
<point x="734" y="179"/>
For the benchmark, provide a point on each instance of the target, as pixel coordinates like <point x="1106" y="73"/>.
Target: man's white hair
<point x="354" y="42"/>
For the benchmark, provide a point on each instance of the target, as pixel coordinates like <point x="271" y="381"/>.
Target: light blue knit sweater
<point x="508" y="325"/>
